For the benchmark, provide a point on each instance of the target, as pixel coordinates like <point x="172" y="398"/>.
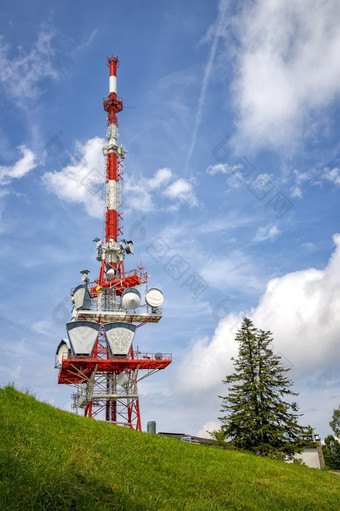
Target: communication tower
<point x="98" y="355"/>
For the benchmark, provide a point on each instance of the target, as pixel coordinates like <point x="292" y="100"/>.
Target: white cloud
<point x="236" y="175"/>
<point x="86" y="43"/>
<point x="42" y="327"/>
<point x="230" y="221"/>
<point x="234" y="271"/>
<point x="313" y="177"/>
<point x="332" y="175"/>
<point x="140" y="198"/>
<point x="206" y="364"/>
<point x="161" y="177"/>
<point x="143" y="191"/>
<point x="82" y="181"/>
<point x="301" y="309"/>
<point x="287" y="68"/>
<point x="26" y="163"/>
<point x="262" y="181"/>
<point x="221" y="168"/>
<point x="181" y="190"/>
<point x="146" y="192"/>
<point x="296" y="192"/>
<point x="207" y="428"/>
<point x="269" y="232"/>
<point x="22" y="75"/>
<point x="301" y="179"/>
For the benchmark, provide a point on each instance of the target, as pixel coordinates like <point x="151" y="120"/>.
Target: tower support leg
<point x="88" y="410"/>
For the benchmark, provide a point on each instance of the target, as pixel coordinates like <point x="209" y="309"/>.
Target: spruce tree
<point x="331" y="449"/>
<point x="257" y="415"/>
<point x="335" y="422"/>
<point x="331" y="452"/>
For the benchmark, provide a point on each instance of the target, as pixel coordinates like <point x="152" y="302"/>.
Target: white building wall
<point x="309" y="457"/>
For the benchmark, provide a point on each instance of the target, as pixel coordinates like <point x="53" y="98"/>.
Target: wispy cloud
<point x="235" y="271"/>
<point x="136" y="188"/>
<point x="230" y="221"/>
<point x="22" y="74"/>
<point x="332" y="175"/>
<point x="313" y="177"/>
<point x="221" y="168"/>
<point x="20" y="168"/>
<point x="268" y="232"/>
<point x="42" y="327"/>
<point x="148" y="194"/>
<point x="86" y="43"/>
<point x="214" y="33"/>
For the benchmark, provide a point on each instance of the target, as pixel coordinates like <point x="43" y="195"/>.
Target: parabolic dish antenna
<point x="154" y="297"/>
<point x="130" y="299"/>
<point x="110" y="274"/>
<point x="62" y="350"/>
<point x="62" y="353"/>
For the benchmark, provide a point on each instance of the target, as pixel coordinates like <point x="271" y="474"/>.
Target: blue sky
<point x="231" y="187"/>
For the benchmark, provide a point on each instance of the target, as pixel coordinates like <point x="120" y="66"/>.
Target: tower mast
<point x="98" y="358"/>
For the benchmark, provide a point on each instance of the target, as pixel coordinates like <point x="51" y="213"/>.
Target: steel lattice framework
<point x="106" y="379"/>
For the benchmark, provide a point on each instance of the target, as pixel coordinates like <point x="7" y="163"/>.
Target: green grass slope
<point x="54" y="460"/>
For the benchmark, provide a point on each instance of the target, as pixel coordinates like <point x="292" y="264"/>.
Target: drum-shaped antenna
<point x="83" y="336"/>
<point x="119" y="337"/>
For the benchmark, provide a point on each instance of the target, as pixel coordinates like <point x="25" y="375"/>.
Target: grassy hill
<point x="54" y="460"/>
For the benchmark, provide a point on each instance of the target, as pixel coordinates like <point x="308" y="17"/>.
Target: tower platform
<point x="79" y="369"/>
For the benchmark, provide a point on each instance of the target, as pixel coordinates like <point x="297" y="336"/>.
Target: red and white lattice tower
<point x="98" y="357"/>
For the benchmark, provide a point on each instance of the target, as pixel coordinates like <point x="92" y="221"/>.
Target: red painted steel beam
<point x="73" y="368"/>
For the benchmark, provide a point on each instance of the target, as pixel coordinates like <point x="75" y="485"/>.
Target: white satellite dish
<point x="122" y="379"/>
<point x="110" y="274"/>
<point x="154" y="297"/>
<point x="63" y="350"/>
<point x="62" y="353"/>
<point x="130" y="299"/>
